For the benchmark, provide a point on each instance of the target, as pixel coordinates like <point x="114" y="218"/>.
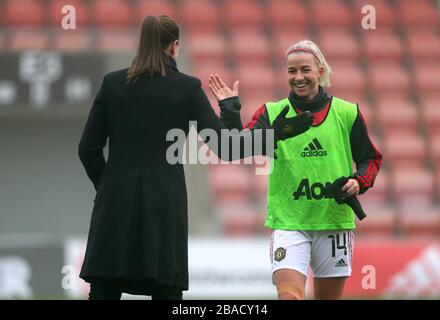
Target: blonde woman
<point x="309" y="227"/>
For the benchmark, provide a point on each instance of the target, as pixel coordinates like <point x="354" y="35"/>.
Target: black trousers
<point x="107" y="290"/>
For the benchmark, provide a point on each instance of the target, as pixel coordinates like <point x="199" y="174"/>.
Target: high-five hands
<point x="220" y="90"/>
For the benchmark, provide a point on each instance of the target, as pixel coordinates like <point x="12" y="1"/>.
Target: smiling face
<point x="303" y="74"/>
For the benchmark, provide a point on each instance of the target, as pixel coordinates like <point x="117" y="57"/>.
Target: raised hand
<point x="220" y="90"/>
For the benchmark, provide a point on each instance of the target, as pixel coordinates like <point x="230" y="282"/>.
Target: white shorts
<point x="328" y="252"/>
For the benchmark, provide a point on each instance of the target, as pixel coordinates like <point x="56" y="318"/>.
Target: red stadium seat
<point x="423" y="46"/>
<point x="378" y="195"/>
<point x="254" y="79"/>
<point x="230" y="182"/>
<point x="438" y="181"/>
<point x="117" y="41"/>
<point x="200" y="15"/>
<point x="397" y="116"/>
<point x="261" y="185"/>
<point x="339" y="47"/>
<point x="412" y="186"/>
<point x="28" y="39"/>
<point x="237" y="219"/>
<point x="382" y="46"/>
<point x="347" y="78"/>
<point x="244" y="13"/>
<point x="206" y="47"/>
<point x="418" y="14"/>
<point x="24" y="13"/>
<point x="427" y="77"/>
<point x="405" y="150"/>
<point x="283" y="87"/>
<point x="385" y="16"/>
<point x="368" y="114"/>
<point x="379" y="221"/>
<point x="112" y="14"/>
<point x="420" y="221"/>
<point x="249" y="47"/>
<point x="430" y="114"/>
<point x="2" y="41"/>
<point x="330" y="13"/>
<point x="287" y="14"/>
<point x="434" y="147"/>
<point x="377" y="142"/>
<point x="389" y="80"/>
<point x="81" y="12"/>
<point x="203" y="70"/>
<point x="251" y="103"/>
<point x="145" y="8"/>
<point x="71" y="41"/>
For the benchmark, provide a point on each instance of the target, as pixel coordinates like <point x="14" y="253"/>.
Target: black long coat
<point x="139" y="228"/>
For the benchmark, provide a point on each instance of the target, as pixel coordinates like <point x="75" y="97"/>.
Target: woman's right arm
<point x="241" y="145"/>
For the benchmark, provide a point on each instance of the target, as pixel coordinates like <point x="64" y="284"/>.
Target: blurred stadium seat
<point x="427" y="77"/>
<point x="243" y="14"/>
<point x="112" y="13"/>
<point x="405" y="149"/>
<point x="430" y="114"/>
<point x="237" y="219"/>
<point x="256" y="78"/>
<point x="420" y="14"/>
<point x="67" y="41"/>
<point x="28" y="39"/>
<point x="423" y="46"/>
<point x="339" y="47"/>
<point x="249" y="47"/>
<point x="340" y="16"/>
<point x="382" y="46"/>
<point x="389" y="80"/>
<point x="347" y="80"/>
<point x="117" y="41"/>
<point x="143" y="8"/>
<point x="380" y="221"/>
<point x="200" y="15"/>
<point x="395" y="116"/>
<point x="230" y="183"/>
<point x="24" y="13"/>
<point x="206" y="48"/>
<point x="420" y="221"/>
<point x="434" y="146"/>
<point x="287" y="14"/>
<point x="413" y="186"/>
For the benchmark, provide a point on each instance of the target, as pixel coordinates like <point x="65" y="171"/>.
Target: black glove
<point x="341" y="197"/>
<point x="285" y="128"/>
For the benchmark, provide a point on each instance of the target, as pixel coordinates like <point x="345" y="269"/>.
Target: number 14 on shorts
<point x="339" y="242"/>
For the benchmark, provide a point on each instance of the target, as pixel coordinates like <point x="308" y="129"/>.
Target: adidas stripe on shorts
<point x="328" y="252"/>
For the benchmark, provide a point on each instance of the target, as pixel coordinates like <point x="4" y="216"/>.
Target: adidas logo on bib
<point x="314" y="149"/>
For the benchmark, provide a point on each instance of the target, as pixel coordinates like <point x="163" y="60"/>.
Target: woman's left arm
<point x="94" y="139"/>
<point x="367" y="158"/>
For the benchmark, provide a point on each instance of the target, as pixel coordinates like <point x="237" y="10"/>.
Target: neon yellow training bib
<point x="307" y="164"/>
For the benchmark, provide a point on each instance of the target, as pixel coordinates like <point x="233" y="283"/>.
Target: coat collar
<point x="171" y="63"/>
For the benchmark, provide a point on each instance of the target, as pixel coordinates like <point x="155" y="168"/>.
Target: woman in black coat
<point x="138" y="234"/>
